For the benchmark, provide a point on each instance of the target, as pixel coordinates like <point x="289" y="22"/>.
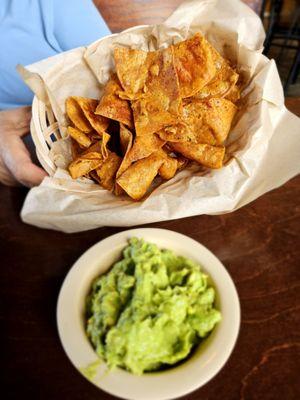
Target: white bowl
<point x="203" y="365"/>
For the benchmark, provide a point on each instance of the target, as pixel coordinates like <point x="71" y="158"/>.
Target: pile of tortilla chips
<point x="160" y="110"/>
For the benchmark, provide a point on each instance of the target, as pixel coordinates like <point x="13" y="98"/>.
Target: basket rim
<point x="38" y="138"/>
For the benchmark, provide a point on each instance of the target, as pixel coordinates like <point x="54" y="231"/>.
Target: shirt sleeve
<point x="31" y="30"/>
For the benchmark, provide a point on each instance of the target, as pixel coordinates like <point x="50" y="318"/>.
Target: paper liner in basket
<point x="263" y="145"/>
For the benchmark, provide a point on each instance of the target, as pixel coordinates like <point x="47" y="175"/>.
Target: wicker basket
<point x="44" y="132"/>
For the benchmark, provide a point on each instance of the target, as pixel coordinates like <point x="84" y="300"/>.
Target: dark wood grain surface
<point x="259" y="245"/>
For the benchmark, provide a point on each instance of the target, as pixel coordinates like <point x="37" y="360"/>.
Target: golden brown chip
<point x="84" y="164"/>
<point x="169" y="167"/>
<point x="143" y="147"/>
<point x="176" y="133"/>
<point x="105" y="140"/>
<point x="219" y="87"/>
<point x="196" y="124"/>
<point x="150" y="117"/>
<point x="95" y="147"/>
<point x="223" y="81"/>
<point x="112" y="106"/>
<point x="88" y="106"/>
<point x="132" y="69"/>
<point x="233" y="94"/>
<point x="182" y="162"/>
<point x="107" y="171"/>
<point x="207" y="122"/>
<point x="126" y="139"/>
<point x="137" y="179"/>
<point x="209" y="156"/>
<point x="79" y="136"/>
<point x="194" y="64"/>
<point x="76" y="150"/>
<point x="118" y="190"/>
<point x="94" y="176"/>
<point x="94" y="136"/>
<point x="196" y="133"/>
<point x="149" y="79"/>
<point x="77" y="116"/>
<point x="192" y="128"/>
<point x="218" y="114"/>
<point x="205" y="135"/>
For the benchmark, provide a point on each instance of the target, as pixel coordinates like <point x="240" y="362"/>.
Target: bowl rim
<point x="159" y="385"/>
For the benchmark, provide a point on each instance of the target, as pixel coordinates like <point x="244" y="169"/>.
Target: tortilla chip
<point x="209" y="156"/>
<point x="176" y="133"/>
<point x="205" y="122"/>
<point x="218" y="114"/>
<point x="77" y="116"/>
<point x="93" y="136"/>
<point x="219" y="87"/>
<point x="149" y="79"/>
<point x="112" y="106"/>
<point x="196" y="133"/>
<point x="105" y="140"/>
<point x="79" y="136"/>
<point x="168" y="169"/>
<point x="132" y="70"/>
<point x="126" y="139"/>
<point x="192" y="128"/>
<point x="107" y="171"/>
<point x="223" y="81"/>
<point x="206" y="135"/>
<point x="84" y="164"/>
<point x="195" y="119"/>
<point x="149" y="116"/>
<point x="182" y="162"/>
<point x="88" y="106"/>
<point x="233" y="94"/>
<point x="142" y="147"/>
<point x="137" y="179"/>
<point x="76" y="150"/>
<point x="194" y="64"/>
<point x="94" y="176"/>
<point x="169" y="166"/>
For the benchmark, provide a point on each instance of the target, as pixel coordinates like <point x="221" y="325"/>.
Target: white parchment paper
<point x="263" y="146"/>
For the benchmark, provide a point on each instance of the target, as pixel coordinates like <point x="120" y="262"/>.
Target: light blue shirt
<point x="31" y="30"/>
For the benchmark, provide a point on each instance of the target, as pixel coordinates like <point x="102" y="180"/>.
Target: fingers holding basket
<point x="15" y="162"/>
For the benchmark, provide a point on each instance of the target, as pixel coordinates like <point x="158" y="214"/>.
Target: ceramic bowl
<point x="205" y="362"/>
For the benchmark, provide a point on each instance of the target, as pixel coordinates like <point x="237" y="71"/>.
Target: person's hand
<point x="15" y="163"/>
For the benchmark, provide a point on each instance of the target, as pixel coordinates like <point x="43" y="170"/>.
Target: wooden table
<point x="259" y="244"/>
<point x="122" y="14"/>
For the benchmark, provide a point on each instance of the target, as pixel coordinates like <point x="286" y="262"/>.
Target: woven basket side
<point x="44" y="132"/>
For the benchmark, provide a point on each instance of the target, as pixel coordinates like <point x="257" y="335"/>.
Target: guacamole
<point x="150" y="309"/>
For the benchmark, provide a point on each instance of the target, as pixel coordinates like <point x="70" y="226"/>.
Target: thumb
<point x="17" y="160"/>
<point x="31" y="174"/>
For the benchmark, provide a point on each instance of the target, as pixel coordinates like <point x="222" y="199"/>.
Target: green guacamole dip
<point x="150" y="309"/>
